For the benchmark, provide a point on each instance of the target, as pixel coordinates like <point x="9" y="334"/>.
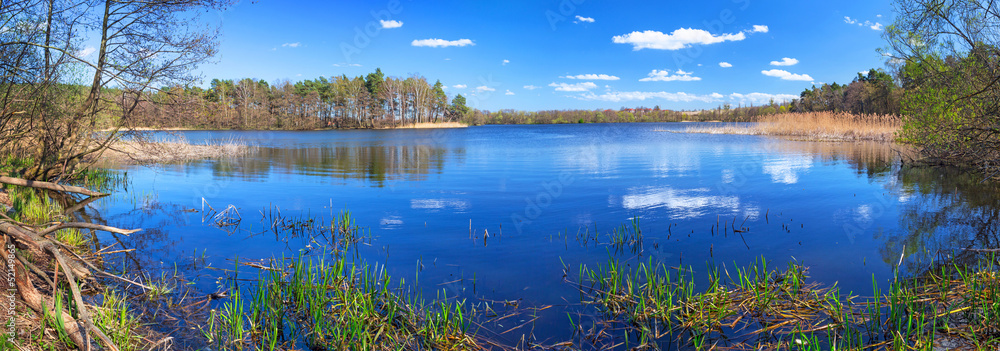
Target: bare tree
<point x="143" y="44"/>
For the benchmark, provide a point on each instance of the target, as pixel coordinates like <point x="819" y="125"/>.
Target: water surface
<point x="849" y="211"/>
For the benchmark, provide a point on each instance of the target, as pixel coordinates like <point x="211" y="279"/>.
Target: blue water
<point x="846" y="210"/>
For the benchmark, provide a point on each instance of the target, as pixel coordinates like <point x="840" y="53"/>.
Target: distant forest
<point x="377" y="101"/>
<point x="373" y="101"/>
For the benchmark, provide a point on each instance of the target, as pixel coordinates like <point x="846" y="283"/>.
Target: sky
<point x="563" y="54"/>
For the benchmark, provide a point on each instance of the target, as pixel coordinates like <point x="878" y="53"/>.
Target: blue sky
<point x="566" y="54"/>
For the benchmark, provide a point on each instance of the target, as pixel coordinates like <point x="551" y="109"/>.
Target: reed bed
<point x="758" y="307"/>
<point x="174" y="150"/>
<point x="816" y="126"/>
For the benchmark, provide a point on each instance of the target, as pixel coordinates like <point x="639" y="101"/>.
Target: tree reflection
<point x="947" y="215"/>
<point x="373" y="163"/>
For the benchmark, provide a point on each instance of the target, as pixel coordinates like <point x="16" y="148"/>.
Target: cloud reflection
<point x="683" y="204"/>
<point x="439" y="204"/>
<point x="786" y="170"/>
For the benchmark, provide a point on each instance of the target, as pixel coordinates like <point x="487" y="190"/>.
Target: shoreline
<point x="424" y="125"/>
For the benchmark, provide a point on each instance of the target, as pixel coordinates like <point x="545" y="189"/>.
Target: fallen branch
<point x="49" y="186"/>
<point x="33" y="299"/>
<point x="109" y="275"/>
<point x="37" y="245"/>
<point x="982" y="250"/>
<point x="78" y="298"/>
<point x="84" y="225"/>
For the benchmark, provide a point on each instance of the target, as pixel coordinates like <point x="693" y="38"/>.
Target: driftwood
<point x="82" y="225"/>
<point x="49" y="186"/>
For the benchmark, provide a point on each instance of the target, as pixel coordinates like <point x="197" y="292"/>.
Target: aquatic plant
<point x="763" y="307"/>
<point x="333" y="305"/>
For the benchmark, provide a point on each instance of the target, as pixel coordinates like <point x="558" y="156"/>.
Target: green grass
<point x="116" y="319"/>
<point x="71" y="237"/>
<point x="759" y="306"/>
<point x="32" y="206"/>
<point x="333" y="305"/>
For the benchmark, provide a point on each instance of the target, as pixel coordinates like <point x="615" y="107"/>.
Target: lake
<point x="499" y="213"/>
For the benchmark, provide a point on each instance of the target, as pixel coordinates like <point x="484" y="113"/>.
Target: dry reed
<point x="174" y="150"/>
<point x="816" y="126"/>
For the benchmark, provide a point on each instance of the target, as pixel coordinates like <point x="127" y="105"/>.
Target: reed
<point x="336" y="304"/>
<point x="72" y="237"/>
<point x="816" y="126"/>
<point x="175" y="150"/>
<point x="32" y="206"/>
<point x="116" y="319"/>
<point x="761" y="307"/>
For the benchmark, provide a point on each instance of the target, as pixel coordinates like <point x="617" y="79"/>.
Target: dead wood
<point x="49" y="186"/>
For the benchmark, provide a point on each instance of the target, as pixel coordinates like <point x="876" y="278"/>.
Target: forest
<point x="378" y="101"/>
<point x="372" y="101"/>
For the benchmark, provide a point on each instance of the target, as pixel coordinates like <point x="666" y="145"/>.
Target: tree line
<point x="875" y="92"/>
<point x="371" y="101"/>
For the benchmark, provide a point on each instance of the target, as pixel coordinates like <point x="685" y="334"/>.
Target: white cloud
<point x="618" y="96"/>
<point x="459" y="86"/>
<point x="484" y="88"/>
<point x="291" y="45"/>
<point x="509" y="92"/>
<point x="345" y="64"/>
<point x="755" y="98"/>
<point x="869" y="24"/>
<point x="760" y="29"/>
<point x="440" y="43"/>
<point x="725" y="64"/>
<point x="785" y="62"/>
<point x="592" y="77"/>
<point x="678" y="39"/>
<point x="584" y="19"/>
<point x="785" y="75"/>
<point x="667" y="76"/>
<point x="87" y="51"/>
<point x="505" y="62"/>
<point x="391" y="24"/>
<point x="761" y="98"/>
<point x="584" y="86"/>
<point x="864" y="73"/>
<point x="531" y="87"/>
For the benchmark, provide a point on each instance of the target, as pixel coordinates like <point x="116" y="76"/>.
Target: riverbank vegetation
<point x="820" y="126"/>
<point x="173" y="149"/>
<point x="759" y="307"/>
<point x="61" y="106"/>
